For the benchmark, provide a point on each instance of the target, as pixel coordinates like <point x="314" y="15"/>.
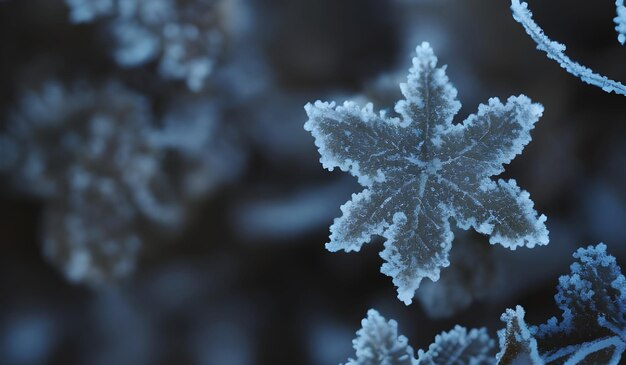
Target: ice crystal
<point x="592" y="329"/>
<point x="556" y="51"/>
<point x="181" y="35"/>
<point x="420" y="170"/>
<point x="378" y="343"/>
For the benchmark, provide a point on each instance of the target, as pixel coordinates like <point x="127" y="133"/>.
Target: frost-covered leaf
<point x="592" y="329"/>
<point x="517" y="344"/>
<point x="420" y="170"/>
<point x="459" y="347"/>
<point x="378" y="343"/>
<point x="556" y="51"/>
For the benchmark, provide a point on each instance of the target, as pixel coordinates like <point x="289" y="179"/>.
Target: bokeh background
<point x="196" y="234"/>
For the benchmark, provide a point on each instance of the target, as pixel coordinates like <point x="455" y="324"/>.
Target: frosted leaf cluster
<point x="592" y="327"/>
<point x="181" y="35"/>
<point x="378" y="343"/>
<point x="110" y="174"/>
<point x="591" y="330"/>
<point x="556" y="51"/>
<point x="420" y="170"/>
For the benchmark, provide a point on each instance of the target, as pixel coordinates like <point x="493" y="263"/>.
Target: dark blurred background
<point x="238" y="274"/>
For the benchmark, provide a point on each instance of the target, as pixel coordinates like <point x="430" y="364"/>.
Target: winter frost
<point x="556" y="51"/>
<point x="420" y="170"/>
<point x="378" y="343"/>
<point x="593" y="324"/>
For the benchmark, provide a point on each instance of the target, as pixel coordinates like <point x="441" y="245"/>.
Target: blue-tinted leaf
<point x="378" y="343"/>
<point x="420" y="170"/>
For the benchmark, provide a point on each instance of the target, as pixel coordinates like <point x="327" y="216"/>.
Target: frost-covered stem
<point x="595" y="346"/>
<point x="620" y="21"/>
<point x="613" y="328"/>
<point x="561" y="353"/>
<point x="556" y="50"/>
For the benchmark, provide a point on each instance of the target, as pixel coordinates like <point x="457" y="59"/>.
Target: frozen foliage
<point x="556" y="51"/>
<point x="181" y="35"/>
<point x="459" y="347"/>
<point x="420" y="170"/>
<point x="593" y="324"/>
<point x="378" y="343"/>
<point x="110" y="175"/>
<point x="620" y="21"/>
<point x="517" y="345"/>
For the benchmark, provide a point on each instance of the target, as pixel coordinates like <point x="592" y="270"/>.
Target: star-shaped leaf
<point x="420" y="170"/>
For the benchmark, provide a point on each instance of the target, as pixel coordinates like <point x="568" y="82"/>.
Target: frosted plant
<point x="378" y="343"/>
<point x="459" y="346"/>
<point x="420" y="170"/>
<point x="620" y="21"/>
<point x="592" y="329"/>
<point x="111" y="177"/>
<point x="517" y="345"/>
<point x="181" y="35"/>
<point x="556" y="51"/>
